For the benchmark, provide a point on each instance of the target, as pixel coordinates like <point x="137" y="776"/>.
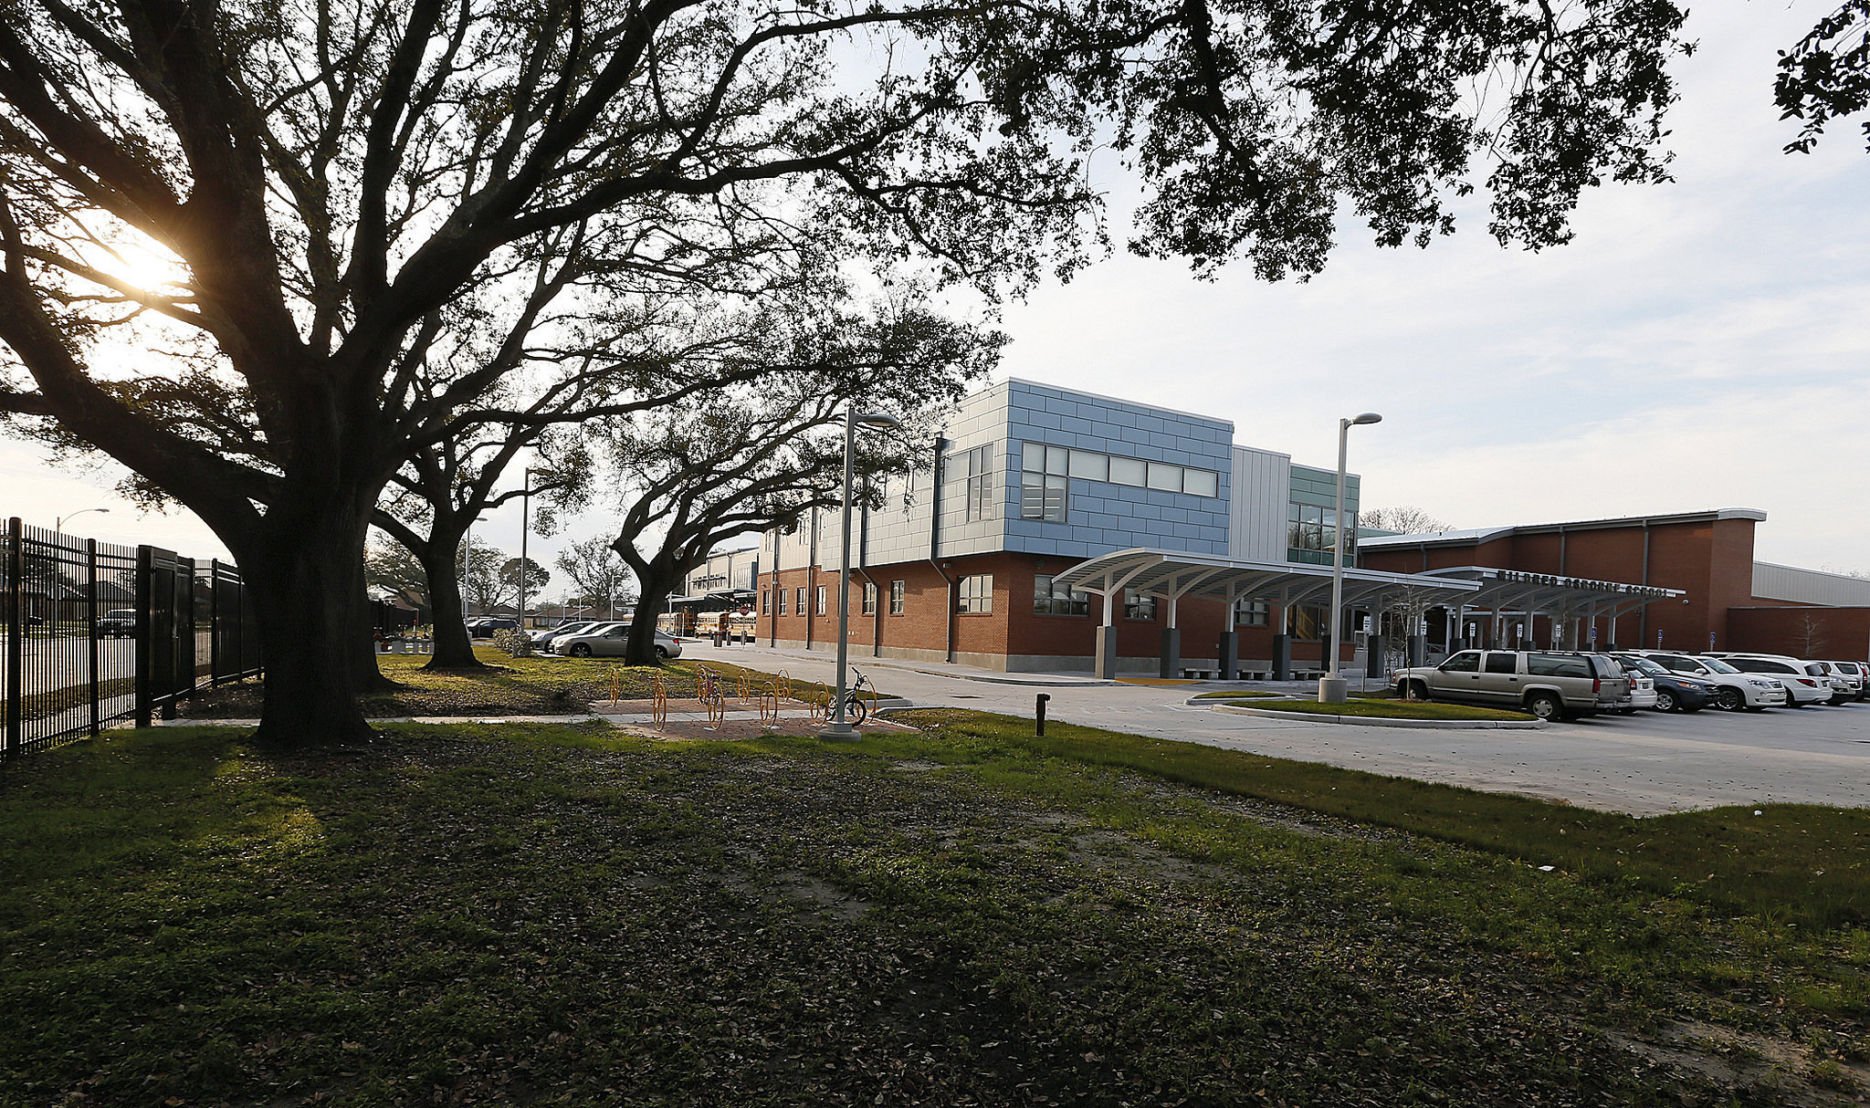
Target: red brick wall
<point x="1835" y="633"/>
<point x="1012" y="628"/>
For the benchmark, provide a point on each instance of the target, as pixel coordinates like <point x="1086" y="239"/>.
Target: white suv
<point x="1853" y="679"/>
<point x="1808" y="682"/>
<point x="1755" y="692"/>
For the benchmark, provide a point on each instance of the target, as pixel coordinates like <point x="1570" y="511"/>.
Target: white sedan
<point x="610" y="640"/>
<point x="1752" y="691"/>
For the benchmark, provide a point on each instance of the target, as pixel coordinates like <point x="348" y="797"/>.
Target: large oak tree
<point x="329" y="175"/>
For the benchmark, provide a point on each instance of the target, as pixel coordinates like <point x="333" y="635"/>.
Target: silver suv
<point x="1550" y="684"/>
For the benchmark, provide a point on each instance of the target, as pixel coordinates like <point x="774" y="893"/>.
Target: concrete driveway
<point x="1646" y="764"/>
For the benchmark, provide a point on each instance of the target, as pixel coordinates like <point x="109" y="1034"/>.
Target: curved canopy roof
<point x="1172" y="575"/>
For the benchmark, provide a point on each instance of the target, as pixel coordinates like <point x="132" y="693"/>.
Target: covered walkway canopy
<point x="1170" y="576"/>
<point x="1568" y="603"/>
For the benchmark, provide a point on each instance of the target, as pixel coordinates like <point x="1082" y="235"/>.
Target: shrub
<point x="514" y="641"/>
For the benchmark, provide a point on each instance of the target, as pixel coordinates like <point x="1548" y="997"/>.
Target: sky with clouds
<point x="1702" y="344"/>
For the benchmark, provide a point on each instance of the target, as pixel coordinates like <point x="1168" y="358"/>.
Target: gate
<point x="97" y="633"/>
<point x="194" y="621"/>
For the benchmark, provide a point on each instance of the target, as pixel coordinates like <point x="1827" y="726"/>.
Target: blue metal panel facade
<point x="1102" y="516"/>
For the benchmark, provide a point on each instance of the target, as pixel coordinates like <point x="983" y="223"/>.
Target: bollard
<point x="1039" y="713"/>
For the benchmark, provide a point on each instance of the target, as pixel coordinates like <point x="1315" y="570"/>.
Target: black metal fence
<point x="98" y="633"/>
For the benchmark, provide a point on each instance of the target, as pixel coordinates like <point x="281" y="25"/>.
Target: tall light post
<point x="838" y="727"/>
<point x="58" y="522"/>
<point x="525" y="516"/>
<point x="1331" y="687"/>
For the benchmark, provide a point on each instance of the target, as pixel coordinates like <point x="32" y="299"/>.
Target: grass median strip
<point x="1383" y="709"/>
<point x="969" y="914"/>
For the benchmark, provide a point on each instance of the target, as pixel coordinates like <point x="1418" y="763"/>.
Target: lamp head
<point x="878" y="419"/>
<point x="1367" y="417"/>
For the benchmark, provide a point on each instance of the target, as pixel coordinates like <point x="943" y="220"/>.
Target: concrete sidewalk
<point x="829" y="657"/>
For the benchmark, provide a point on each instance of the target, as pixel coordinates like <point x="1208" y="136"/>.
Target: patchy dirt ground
<point x="539" y="915"/>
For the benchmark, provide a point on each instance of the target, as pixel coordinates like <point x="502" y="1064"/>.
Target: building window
<point x="1201" y="482"/>
<point x="977" y="593"/>
<point x="1307" y="622"/>
<point x="1039" y="460"/>
<point x="896" y="598"/>
<point x="1137" y="605"/>
<point x="801" y="600"/>
<point x="1042" y="482"/>
<point x="976" y="466"/>
<point x="766" y="602"/>
<point x="1311" y="532"/>
<point x="821" y="600"/>
<point x="1048" y="599"/>
<point x="782" y="602"/>
<point x="1252" y="613"/>
<point x="870" y="598"/>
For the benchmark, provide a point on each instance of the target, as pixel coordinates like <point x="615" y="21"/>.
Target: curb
<point x="1378" y="721"/>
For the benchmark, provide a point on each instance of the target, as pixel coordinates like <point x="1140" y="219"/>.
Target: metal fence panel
<point x="97" y="633"/>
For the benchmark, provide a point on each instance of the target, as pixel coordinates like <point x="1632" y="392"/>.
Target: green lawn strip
<point x="1388" y="709"/>
<point x="511" y="686"/>
<point x="1239" y="694"/>
<point x="1807" y="866"/>
<point x="541" y="913"/>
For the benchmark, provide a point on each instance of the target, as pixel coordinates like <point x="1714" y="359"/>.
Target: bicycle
<point x="856" y="708"/>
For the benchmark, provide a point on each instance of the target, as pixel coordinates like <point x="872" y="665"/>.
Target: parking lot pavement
<point x="1645" y="764"/>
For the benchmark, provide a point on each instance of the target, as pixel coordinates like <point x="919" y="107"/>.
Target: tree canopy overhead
<point x="342" y="184"/>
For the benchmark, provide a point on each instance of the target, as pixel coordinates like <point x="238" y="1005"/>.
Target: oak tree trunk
<point x="652" y="598"/>
<point x="305" y="580"/>
<point x="454" y="648"/>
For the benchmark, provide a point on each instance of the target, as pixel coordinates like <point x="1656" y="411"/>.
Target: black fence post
<point x="214" y="622"/>
<point x="145" y="637"/>
<point x="15" y="623"/>
<point x="90" y="564"/>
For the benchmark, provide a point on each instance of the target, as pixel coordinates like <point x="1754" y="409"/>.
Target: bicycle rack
<point x="769" y="706"/>
<point x="659" y="701"/>
<point x="708" y="691"/>
<point x="743" y="687"/>
<point x="616" y="684"/>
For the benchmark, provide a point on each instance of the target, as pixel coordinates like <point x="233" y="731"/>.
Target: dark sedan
<point x="1674" y="692"/>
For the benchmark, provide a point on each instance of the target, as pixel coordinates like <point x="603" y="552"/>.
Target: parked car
<point x="542" y="638"/>
<point x="1673" y="692"/>
<point x="1853" y="680"/>
<point x="117" y="623"/>
<point x="610" y="641"/>
<point x="1642" y="690"/>
<point x="1734" y="689"/>
<point x="483" y="627"/>
<point x="1807" y="682"/>
<point x="1549" y="684"/>
<point x="1862" y="670"/>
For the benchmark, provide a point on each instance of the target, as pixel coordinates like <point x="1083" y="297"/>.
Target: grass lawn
<point x="1389" y="709"/>
<point x="512" y="686"/>
<point x="1240" y="694"/>
<point x="967" y="915"/>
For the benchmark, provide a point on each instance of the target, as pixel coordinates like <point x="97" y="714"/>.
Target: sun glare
<point x="145" y="266"/>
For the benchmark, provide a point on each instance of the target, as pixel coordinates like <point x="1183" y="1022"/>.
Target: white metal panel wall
<point x="1808" y="586"/>
<point x="1262" y="483"/>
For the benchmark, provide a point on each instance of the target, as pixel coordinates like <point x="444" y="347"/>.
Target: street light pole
<point x="1331" y="687"/>
<point x="58" y="522"/>
<point x="838" y="727"/>
<point x="525" y="509"/>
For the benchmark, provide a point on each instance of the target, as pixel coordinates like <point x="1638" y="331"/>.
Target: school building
<point x="1049" y="529"/>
